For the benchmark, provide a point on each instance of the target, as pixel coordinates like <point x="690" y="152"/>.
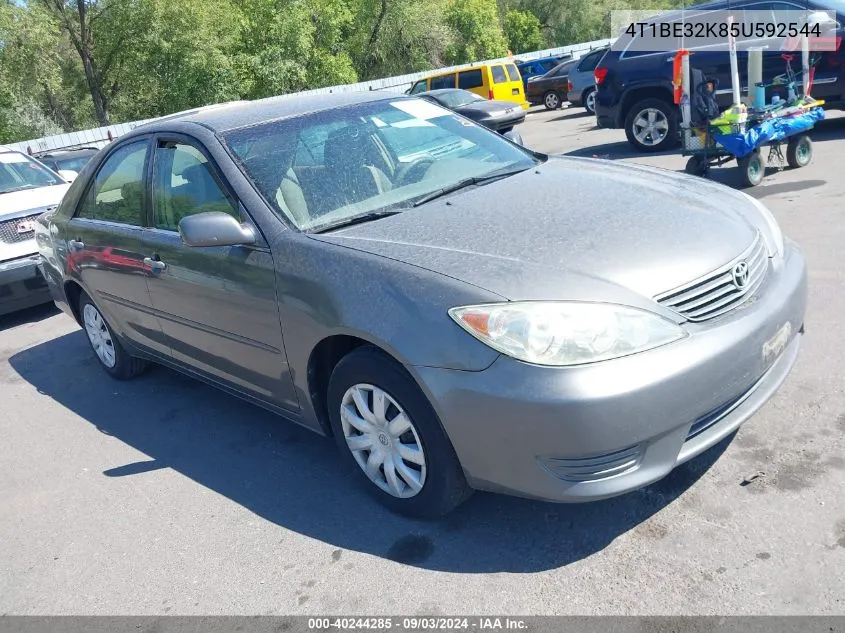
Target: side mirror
<point x="514" y="137"/>
<point x="214" y="229"/>
<point x="68" y="174"/>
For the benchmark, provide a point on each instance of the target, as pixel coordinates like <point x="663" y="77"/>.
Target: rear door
<point x="104" y="245"/>
<point x="217" y="305"/>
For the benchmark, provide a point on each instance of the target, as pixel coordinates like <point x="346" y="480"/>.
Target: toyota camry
<point x="388" y="273"/>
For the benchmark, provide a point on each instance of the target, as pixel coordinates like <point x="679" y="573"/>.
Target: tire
<point x="752" y="169"/>
<point x="589" y="100"/>
<point x="552" y="100"/>
<point x="799" y="151"/>
<point x="439" y="484"/>
<point x="651" y="125"/>
<point x="113" y="358"/>
<point x="697" y="166"/>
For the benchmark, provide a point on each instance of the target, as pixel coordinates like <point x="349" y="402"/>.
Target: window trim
<point x="216" y="173"/>
<point x="92" y="181"/>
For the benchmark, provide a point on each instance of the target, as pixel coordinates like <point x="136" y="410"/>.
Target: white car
<point x="27" y="189"/>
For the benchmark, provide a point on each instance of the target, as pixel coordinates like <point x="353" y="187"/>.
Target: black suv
<point x="634" y="89"/>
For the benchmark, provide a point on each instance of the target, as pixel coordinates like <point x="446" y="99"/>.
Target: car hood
<point x="16" y="202"/>
<point x="570" y="228"/>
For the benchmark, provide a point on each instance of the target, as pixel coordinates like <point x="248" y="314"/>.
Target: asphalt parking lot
<point x="164" y="496"/>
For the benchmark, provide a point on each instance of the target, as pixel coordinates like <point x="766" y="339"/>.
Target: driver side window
<point x="184" y="184"/>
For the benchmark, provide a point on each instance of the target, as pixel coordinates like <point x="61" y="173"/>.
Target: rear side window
<point x="513" y="73"/>
<point x="469" y="79"/>
<point x="499" y="76"/>
<point x="446" y="81"/>
<point x="547" y="65"/>
<point x="116" y="195"/>
<point x="184" y="184"/>
<point x="590" y="61"/>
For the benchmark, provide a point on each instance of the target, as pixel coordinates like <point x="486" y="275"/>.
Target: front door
<point x="217" y="305"/>
<point x="104" y="246"/>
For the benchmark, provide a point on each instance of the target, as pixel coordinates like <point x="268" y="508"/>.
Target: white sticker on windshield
<point x="12" y="157"/>
<point x="421" y="109"/>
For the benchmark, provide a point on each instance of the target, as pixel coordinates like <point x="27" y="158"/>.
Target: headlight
<point x="561" y="333"/>
<point x="771" y="225"/>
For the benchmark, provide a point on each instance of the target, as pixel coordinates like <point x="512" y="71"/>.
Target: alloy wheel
<point x="650" y="127"/>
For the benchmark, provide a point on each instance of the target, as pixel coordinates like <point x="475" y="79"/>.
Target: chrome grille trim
<point x="716" y="294"/>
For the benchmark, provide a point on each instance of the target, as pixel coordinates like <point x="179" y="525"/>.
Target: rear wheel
<point x="799" y="151"/>
<point x="752" y="169"/>
<point x="108" y="350"/>
<point x="552" y="100"/>
<point x="589" y="101"/>
<point x="386" y="428"/>
<point x="652" y="125"/>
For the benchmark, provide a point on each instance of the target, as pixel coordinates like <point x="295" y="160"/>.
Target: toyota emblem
<point x="740" y="275"/>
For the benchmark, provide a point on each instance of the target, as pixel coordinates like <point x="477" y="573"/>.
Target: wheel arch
<point x="635" y="95"/>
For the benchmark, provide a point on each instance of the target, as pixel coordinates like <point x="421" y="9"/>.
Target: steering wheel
<point x="414" y="171"/>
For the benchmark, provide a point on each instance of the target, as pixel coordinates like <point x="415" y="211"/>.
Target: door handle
<point x="156" y="265"/>
<point x="76" y="245"/>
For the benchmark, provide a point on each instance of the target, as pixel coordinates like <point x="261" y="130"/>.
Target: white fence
<point x="99" y="137"/>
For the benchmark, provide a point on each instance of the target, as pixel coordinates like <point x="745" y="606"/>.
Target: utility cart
<point x="744" y="131"/>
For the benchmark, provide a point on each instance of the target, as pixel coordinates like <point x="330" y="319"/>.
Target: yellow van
<point x="492" y="81"/>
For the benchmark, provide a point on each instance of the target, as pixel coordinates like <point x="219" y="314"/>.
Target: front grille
<point x="9" y="230"/>
<point x="596" y="468"/>
<point x="718" y="292"/>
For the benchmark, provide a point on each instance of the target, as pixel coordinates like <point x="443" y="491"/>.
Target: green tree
<point x="479" y="34"/>
<point x="523" y="31"/>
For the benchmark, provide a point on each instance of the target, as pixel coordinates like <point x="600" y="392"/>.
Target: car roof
<point x="239" y="114"/>
<point x="62" y="152"/>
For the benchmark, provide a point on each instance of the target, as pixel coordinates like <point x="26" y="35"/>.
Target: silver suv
<point x="581" y="90"/>
<point x="27" y="189"/>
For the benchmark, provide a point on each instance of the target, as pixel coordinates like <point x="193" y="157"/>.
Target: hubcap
<point x="98" y="334"/>
<point x="551" y="101"/>
<point x="383" y="440"/>
<point x="650" y="127"/>
<point x="590" y="102"/>
<point x="803" y="152"/>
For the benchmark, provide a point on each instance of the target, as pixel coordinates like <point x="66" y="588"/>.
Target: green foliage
<point x="74" y="64"/>
<point x="479" y="33"/>
<point x="523" y="31"/>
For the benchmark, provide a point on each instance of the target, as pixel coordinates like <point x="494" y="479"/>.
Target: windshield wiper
<point x="470" y="182"/>
<point x="355" y="219"/>
<point x="21" y="188"/>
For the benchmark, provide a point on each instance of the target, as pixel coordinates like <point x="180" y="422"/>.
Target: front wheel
<point x="386" y="428"/>
<point x="652" y="126"/>
<point x="552" y="100"/>
<point x="799" y="151"/>
<point x="752" y="169"/>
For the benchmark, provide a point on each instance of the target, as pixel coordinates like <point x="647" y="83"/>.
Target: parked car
<point x="635" y="92"/>
<point x="447" y="320"/>
<point x="491" y="81"/>
<point x="68" y="160"/>
<point x="550" y="89"/>
<point x="537" y="67"/>
<point x="581" y="86"/>
<point x="27" y="189"/>
<point x="499" y="116"/>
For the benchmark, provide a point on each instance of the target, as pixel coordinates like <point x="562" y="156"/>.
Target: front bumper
<point x="596" y="431"/>
<point x="21" y="284"/>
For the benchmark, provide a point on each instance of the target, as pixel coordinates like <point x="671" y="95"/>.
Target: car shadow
<point x="293" y="477"/>
<point x="29" y="315"/>
<point x="615" y="151"/>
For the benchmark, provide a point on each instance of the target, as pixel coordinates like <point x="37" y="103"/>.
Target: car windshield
<point x="326" y="168"/>
<point x="19" y="172"/>
<point x="458" y="98"/>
